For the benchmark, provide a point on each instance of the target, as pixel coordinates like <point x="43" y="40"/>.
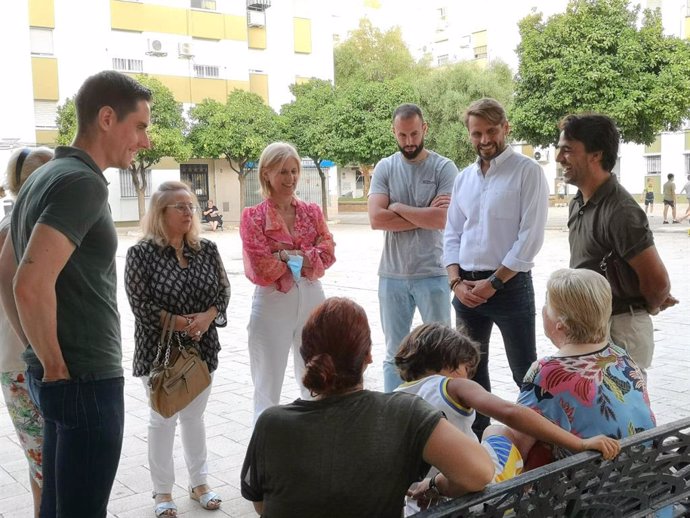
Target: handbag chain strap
<point x="165" y="339"/>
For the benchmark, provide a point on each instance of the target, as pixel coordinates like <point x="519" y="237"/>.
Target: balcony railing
<point x="258" y="5"/>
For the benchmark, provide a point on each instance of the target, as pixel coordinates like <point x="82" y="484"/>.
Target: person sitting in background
<point x="436" y="361"/>
<point x="213" y="216"/>
<point x="23" y="412"/>
<point x="589" y="386"/>
<point x="351" y="452"/>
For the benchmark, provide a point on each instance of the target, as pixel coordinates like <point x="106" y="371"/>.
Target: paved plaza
<point x="229" y="413"/>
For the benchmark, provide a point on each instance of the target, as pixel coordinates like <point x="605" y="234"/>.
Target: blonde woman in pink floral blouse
<point x="286" y="249"/>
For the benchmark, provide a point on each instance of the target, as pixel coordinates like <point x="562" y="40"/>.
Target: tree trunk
<point x="324" y="189"/>
<point x="241" y="177"/>
<point x="138" y="172"/>
<point x="366" y="174"/>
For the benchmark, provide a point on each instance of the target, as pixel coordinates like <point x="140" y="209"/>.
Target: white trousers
<point x="162" y="437"/>
<point x="275" y="327"/>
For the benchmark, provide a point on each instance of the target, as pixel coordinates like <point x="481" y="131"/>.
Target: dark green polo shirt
<point x="70" y="194"/>
<point x="610" y="220"/>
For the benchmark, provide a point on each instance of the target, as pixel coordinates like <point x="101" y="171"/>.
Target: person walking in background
<point x="608" y="227"/>
<point x="23" y="412"/>
<point x="286" y="247"/>
<point x="408" y="200"/>
<point x="172" y="271"/>
<point x="649" y="199"/>
<point x="495" y="228"/>
<point x="670" y="199"/>
<point x="65" y="288"/>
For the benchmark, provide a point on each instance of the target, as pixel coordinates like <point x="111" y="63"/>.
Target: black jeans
<point x="512" y="310"/>
<point x="82" y="441"/>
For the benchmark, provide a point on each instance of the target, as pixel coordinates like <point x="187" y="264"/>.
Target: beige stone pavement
<point x="228" y="418"/>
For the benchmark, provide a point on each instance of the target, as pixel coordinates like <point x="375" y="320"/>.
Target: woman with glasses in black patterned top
<point x="173" y="271"/>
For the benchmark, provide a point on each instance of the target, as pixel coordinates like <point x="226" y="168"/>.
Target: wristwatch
<point x="496" y="283"/>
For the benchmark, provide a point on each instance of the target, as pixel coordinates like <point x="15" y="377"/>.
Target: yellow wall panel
<point x="302" y="28"/>
<point x="180" y="86"/>
<point x="45" y="78"/>
<point x="687" y="140"/>
<point x="479" y="39"/>
<point x="206" y="25"/>
<point x="238" y="85"/>
<point x="46" y="137"/>
<point x="204" y="88"/>
<point x="687" y="27"/>
<point x="256" y="37"/>
<point x="42" y="13"/>
<point x="301" y="80"/>
<point x="134" y="16"/>
<point x="235" y="27"/>
<point x="258" y="84"/>
<point x="654" y="147"/>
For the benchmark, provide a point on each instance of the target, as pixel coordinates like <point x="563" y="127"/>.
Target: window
<point x="480" y="52"/>
<point x="206" y="71"/>
<point x="41" y="41"/>
<point x="209" y="5"/>
<point x="654" y="164"/>
<point x="687" y="165"/>
<point x="128" y="65"/>
<point x="442" y="60"/>
<point x="45" y="114"/>
<point x="127" y="189"/>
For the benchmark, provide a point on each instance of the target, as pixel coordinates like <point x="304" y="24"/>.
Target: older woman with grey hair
<point x="172" y="271"/>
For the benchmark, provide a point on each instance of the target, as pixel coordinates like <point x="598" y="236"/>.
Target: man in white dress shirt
<point x="494" y="229"/>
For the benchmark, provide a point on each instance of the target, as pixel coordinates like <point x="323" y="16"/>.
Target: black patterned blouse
<point x="154" y="281"/>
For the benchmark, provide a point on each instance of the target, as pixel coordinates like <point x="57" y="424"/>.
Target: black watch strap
<point x="496" y="283"/>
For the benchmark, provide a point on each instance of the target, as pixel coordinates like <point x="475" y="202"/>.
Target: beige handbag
<point x="181" y="377"/>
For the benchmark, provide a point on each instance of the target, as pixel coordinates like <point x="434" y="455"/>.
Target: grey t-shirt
<point x="413" y="254"/>
<point x="349" y="455"/>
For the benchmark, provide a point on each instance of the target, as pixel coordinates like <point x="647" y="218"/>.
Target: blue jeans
<point x="82" y="440"/>
<point x="397" y="301"/>
<point x="512" y="310"/>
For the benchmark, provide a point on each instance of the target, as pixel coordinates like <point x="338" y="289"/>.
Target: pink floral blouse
<point x="264" y="232"/>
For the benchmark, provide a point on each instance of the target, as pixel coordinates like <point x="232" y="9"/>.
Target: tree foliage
<point x="166" y="134"/>
<point x="237" y="131"/>
<point x="306" y="124"/>
<point x="361" y="122"/>
<point x="445" y="94"/>
<point x="372" y="55"/>
<point x="600" y="56"/>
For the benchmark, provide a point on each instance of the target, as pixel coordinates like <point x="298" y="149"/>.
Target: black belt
<point x="476" y="275"/>
<point x="628" y="308"/>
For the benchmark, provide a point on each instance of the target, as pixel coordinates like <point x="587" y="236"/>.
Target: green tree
<point x="166" y="133"/>
<point x="600" y="55"/>
<point x="445" y="94"/>
<point x="237" y="131"/>
<point x="372" y="55"/>
<point x="306" y="125"/>
<point x="362" y="121"/>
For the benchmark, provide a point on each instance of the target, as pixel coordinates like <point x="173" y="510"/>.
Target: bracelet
<point x="454" y="282"/>
<point x="433" y="487"/>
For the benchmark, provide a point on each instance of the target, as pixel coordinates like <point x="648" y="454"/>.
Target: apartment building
<point x="198" y="48"/>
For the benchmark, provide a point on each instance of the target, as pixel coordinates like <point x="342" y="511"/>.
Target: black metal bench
<point x="652" y="472"/>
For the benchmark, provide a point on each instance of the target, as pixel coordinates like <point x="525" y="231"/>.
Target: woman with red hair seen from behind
<point x="350" y="451"/>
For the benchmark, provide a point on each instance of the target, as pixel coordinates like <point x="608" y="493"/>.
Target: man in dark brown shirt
<point x="605" y="218"/>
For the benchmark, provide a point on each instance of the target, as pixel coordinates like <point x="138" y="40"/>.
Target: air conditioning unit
<point x="256" y="19"/>
<point x="184" y="49"/>
<point x="541" y="154"/>
<point x="156" y="48"/>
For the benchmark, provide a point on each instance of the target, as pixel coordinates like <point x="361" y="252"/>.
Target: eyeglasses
<point x="183" y="207"/>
